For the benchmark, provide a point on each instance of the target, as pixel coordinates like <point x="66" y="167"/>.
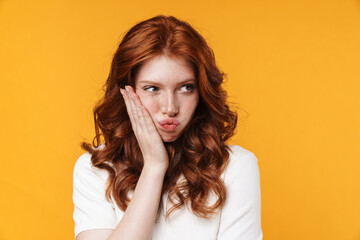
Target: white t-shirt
<point x="240" y="217"/>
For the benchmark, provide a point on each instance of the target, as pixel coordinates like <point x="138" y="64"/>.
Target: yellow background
<point x="294" y="66"/>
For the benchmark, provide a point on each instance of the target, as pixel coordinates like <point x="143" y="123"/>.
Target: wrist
<point x="155" y="169"/>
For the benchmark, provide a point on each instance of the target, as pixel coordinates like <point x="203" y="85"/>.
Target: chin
<point x="172" y="139"/>
<point x="169" y="138"/>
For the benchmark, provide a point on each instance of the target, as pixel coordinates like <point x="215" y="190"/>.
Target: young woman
<point x="159" y="166"/>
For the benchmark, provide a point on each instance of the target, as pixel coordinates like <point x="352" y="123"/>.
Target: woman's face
<point x="167" y="87"/>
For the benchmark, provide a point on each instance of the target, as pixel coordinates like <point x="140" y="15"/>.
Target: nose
<point x="169" y="105"/>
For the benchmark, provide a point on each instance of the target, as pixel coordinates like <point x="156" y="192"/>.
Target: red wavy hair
<point x="202" y="147"/>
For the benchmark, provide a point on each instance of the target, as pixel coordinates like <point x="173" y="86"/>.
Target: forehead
<point x="165" y="70"/>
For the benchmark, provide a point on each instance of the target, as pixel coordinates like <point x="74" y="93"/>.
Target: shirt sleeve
<point x="91" y="209"/>
<point x="241" y="214"/>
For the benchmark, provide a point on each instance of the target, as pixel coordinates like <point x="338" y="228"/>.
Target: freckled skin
<point x="164" y="86"/>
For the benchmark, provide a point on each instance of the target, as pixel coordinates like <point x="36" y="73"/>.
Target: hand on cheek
<point x="149" y="140"/>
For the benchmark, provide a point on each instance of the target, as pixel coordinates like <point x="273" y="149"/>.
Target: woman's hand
<point x="151" y="145"/>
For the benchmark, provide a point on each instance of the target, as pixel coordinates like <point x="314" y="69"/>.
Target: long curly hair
<point x="201" y="148"/>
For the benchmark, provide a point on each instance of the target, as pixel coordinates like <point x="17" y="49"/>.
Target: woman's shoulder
<point x="83" y="162"/>
<point x="241" y="162"/>
<point x="241" y="213"/>
<point x="91" y="208"/>
<point x="84" y="169"/>
<point x="238" y="150"/>
<point x="240" y="154"/>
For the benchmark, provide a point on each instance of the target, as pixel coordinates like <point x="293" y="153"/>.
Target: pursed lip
<point x="169" y="124"/>
<point x="169" y="121"/>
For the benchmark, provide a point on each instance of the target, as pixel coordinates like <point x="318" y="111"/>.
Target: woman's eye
<point x="151" y="89"/>
<point x="187" y="87"/>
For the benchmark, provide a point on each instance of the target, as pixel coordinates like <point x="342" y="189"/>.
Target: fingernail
<point x="127" y="88"/>
<point x="122" y="91"/>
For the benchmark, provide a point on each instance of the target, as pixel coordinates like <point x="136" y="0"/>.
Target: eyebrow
<point x="158" y="83"/>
